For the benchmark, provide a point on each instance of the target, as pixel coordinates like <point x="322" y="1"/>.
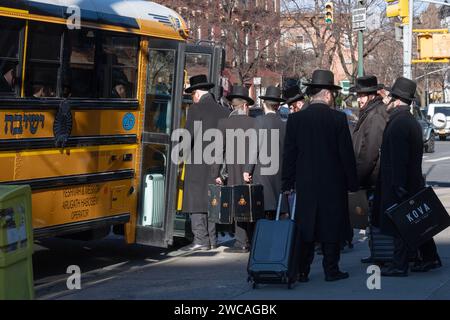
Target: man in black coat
<point x="275" y="128"/>
<point x="207" y="112"/>
<point x="401" y="175"/>
<point x="319" y="163"/>
<point x="367" y="135"/>
<point x="295" y="99"/>
<point x="368" y="131"/>
<point x="238" y="119"/>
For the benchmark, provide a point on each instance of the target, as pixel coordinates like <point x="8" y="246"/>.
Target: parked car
<point x="439" y="115"/>
<point x="428" y="133"/>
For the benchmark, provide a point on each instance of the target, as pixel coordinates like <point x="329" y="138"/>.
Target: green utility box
<point x="16" y="243"/>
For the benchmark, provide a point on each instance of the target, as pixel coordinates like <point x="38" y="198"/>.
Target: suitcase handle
<point x="291" y="211"/>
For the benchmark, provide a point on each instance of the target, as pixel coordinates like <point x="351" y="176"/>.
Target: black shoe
<point x="367" y="260"/>
<point x="336" y="276"/>
<point x="195" y="247"/>
<point x="236" y="250"/>
<point x="302" y="277"/>
<point x="425" y="266"/>
<point x="394" y="272"/>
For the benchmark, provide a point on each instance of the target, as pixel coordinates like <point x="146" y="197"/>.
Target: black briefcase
<point x="248" y="202"/>
<point x="419" y="218"/>
<point x="358" y="207"/>
<point x="220" y="204"/>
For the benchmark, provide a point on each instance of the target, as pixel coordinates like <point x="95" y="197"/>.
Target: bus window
<point x="43" y="60"/>
<point x="78" y="62"/>
<point x="159" y="90"/>
<point x="118" y="70"/>
<point x="9" y="56"/>
<point x="195" y="64"/>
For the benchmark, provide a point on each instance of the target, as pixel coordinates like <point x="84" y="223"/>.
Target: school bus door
<point x="199" y="59"/>
<point x="158" y="180"/>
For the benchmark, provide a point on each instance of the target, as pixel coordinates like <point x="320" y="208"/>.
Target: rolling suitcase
<point x="270" y="259"/>
<point x="381" y="246"/>
<point x="153" y="206"/>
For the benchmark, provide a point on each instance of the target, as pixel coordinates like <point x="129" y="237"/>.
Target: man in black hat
<point x="207" y="112"/>
<point x="238" y="119"/>
<point x="7" y="77"/>
<point x="320" y="164"/>
<point x="368" y="133"/>
<point x="401" y="175"/>
<point x="295" y="99"/>
<point x="271" y="123"/>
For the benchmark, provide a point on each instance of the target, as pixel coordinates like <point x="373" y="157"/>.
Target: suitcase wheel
<point x="249" y="279"/>
<point x="255" y="285"/>
<point x="290" y="285"/>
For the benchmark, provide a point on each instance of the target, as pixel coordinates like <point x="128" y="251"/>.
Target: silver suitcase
<point x="153" y="205"/>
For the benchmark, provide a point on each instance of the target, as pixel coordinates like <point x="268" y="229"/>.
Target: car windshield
<point x="444" y="110"/>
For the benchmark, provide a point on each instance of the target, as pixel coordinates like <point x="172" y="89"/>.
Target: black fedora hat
<point x="404" y="89"/>
<point x="366" y="84"/>
<point x="199" y="82"/>
<point x="293" y="94"/>
<point x="322" y="79"/>
<point x="272" y="94"/>
<point x="240" y="92"/>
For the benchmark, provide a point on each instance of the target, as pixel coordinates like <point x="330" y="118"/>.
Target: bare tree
<point x="337" y="43"/>
<point x="249" y="33"/>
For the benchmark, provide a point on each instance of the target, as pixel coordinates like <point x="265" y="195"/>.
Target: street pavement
<point x="212" y="275"/>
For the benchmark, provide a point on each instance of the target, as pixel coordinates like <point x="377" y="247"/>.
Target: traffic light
<point x="397" y="8"/>
<point x="329" y="12"/>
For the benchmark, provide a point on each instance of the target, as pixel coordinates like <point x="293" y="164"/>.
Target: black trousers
<point x="243" y="233"/>
<point x="304" y="256"/>
<point x="204" y="230"/>
<point x="427" y="252"/>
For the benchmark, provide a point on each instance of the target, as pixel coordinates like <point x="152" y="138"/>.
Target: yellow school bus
<point x="90" y="92"/>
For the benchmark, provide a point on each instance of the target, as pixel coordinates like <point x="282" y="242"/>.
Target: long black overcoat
<point x="367" y="137"/>
<point x="272" y="123"/>
<point x="197" y="176"/>
<point x="319" y="161"/>
<point x="401" y="164"/>
<point x="234" y="167"/>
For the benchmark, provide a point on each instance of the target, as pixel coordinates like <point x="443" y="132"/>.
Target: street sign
<point x="345" y="84"/>
<point x="359" y="19"/>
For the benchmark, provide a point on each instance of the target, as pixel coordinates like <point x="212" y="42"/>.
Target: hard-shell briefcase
<point x="220" y="204"/>
<point x="419" y="218"/>
<point x="271" y="255"/>
<point x="248" y="202"/>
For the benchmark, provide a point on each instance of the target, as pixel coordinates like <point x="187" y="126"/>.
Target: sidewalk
<point x="219" y="275"/>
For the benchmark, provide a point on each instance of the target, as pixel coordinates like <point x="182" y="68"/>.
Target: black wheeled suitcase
<point x="381" y="246"/>
<point x="270" y="259"/>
